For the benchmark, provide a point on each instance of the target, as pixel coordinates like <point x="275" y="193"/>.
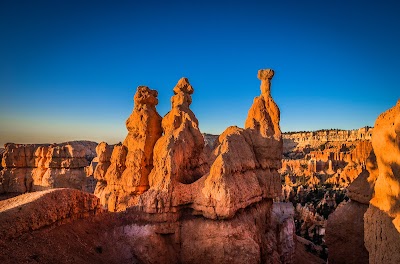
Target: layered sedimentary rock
<point x="315" y="138"/>
<point x="179" y="159"/>
<point x="243" y="170"/>
<point x="135" y="237"/>
<point x="227" y="191"/>
<point x="382" y="219"/>
<point x="338" y="164"/>
<point x="123" y="169"/>
<point x="33" y="167"/>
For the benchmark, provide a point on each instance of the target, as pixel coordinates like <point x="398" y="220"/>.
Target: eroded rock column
<point x="178" y="154"/>
<point x="124" y="174"/>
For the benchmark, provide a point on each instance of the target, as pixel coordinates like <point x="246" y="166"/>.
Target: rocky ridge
<point x="34" y="167"/>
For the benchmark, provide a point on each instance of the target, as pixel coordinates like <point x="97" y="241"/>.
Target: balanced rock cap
<point x="145" y="95"/>
<point x="265" y="74"/>
<point x="184" y="86"/>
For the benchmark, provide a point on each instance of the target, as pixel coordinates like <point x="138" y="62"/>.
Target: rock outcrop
<point x="345" y="228"/>
<point x="315" y="138"/>
<point x="228" y="189"/>
<point x="367" y="230"/>
<point x="33" y="211"/>
<point x="382" y="219"/>
<point x="123" y="170"/>
<point x="243" y="170"/>
<point x="179" y="159"/>
<point x="33" y="167"/>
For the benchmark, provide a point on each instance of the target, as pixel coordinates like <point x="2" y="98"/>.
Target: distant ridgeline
<point x="364" y="133"/>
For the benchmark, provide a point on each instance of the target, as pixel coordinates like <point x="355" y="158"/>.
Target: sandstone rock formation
<point x="180" y="126"/>
<point x="382" y="219"/>
<point x="123" y="169"/>
<point x="135" y="237"/>
<point x="235" y="183"/>
<point x="338" y="164"/>
<point x="315" y="138"/>
<point x="243" y="170"/>
<point x="345" y="228"/>
<point x="33" y="167"/>
<point x="33" y="211"/>
<point x="371" y="217"/>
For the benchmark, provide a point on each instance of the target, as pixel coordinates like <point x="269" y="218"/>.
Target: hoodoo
<point x="123" y="170"/>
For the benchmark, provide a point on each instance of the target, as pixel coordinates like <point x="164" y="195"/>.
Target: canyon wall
<point x="33" y="167"/>
<point x="315" y="138"/>
<point x="367" y="229"/>
<point x="382" y="219"/>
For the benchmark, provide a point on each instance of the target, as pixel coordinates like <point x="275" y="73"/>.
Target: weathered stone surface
<point x="361" y="189"/>
<point x="244" y="164"/>
<point x="316" y="137"/>
<point x="253" y="236"/>
<point x="264" y="114"/>
<point x="386" y="143"/>
<point x="354" y="224"/>
<point x="32" y="167"/>
<point x="185" y="164"/>
<point x="19" y="156"/>
<point x="144" y="126"/>
<point x="179" y="159"/>
<point x="36" y="210"/>
<point x="104" y="152"/>
<point x="124" y="174"/>
<point x="282" y="220"/>
<point x="236" y="177"/>
<point x="345" y="234"/>
<point x="247" y="160"/>
<point x="381" y="236"/>
<point x="382" y="219"/>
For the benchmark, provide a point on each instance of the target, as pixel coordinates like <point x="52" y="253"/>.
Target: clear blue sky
<point x="69" y="69"/>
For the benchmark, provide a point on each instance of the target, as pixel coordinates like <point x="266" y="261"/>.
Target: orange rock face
<point x="371" y="218"/>
<point x="32" y="211"/>
<point x="242" y="170"/>
<point x="264" y="114"/>
<point x="123" y="173"/>
<point x="247" y="160"/>
<point x="178" y="154"/>
<point x="382" y="219"/>
<point x="32" y="167"/>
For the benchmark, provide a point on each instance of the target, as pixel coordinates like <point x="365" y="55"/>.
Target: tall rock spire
<point x="125" y="174"/>
<point x="264" y="114"/>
